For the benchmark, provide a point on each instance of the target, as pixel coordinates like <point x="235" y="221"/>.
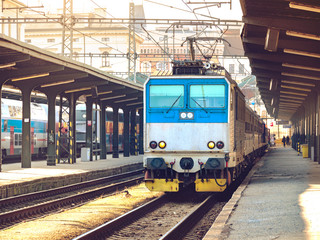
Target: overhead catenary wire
<point x="84" y="34"/>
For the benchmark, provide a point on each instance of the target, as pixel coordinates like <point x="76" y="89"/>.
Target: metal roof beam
<point x="285" y="58"/>
<point x="119" y="92"/>
<point x="298" y="44"/>
<point x="31" y="71"/>
<point x="285" y="23"/>
<point x="9" y="58"/>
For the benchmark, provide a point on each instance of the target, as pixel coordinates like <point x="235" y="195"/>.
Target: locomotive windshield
<point x="166" y="96"/>
<point x="207" y="96"/>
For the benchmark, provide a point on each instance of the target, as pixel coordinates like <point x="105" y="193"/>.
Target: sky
<point x="152" y="8"/>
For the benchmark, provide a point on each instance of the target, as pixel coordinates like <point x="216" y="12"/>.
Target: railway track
<point x="32" y="205"/>
<point x="161" y="218"/>
<point x="142" y="223"/>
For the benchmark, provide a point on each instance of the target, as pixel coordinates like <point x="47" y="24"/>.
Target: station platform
<point x="15" y="180"/>
<point x="279" y="199"/>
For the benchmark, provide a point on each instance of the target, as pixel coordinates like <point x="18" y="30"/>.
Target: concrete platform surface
<point x="278" y="200"/>
<point x="15" y="180"/>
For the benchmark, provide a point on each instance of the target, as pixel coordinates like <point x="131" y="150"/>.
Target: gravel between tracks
<point x="73" y="222"/>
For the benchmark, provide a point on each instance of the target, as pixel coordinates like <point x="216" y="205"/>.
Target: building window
<point x="146" y="67"/>
<point x="18" y="139"/>
<point x="76" y="40"/>
<point x="105" y="59"/>
<point x="231" y="68"/>
<point x="28" y="40"/>
<point x="105" y="39"/>
<point x="241" y="68"/>
<point x="76" y="56"/>
<point x="161" y="66"/>
<point x="51" y="40"/>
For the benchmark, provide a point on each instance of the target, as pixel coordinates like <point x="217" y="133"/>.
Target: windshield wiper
<point x="199" y="105"/>
<point x="174" y="103"/>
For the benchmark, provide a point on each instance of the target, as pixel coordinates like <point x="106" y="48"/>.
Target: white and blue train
<point x="198" y="133"/>
<point x="11" y="128"/>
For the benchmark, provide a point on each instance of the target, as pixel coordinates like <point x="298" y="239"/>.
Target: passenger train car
<point x="81" y="128"/>
<point x="11" y="130"/>
<point x="198" y="133"/>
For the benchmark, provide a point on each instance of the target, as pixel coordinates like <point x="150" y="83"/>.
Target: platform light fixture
<point x="292" y="97"/>
<point x="298" y="83"/>
<point x="294" y="93"/>
<point x="303" y="35"/>
<point x="113" y="97"/>
<point x="300" y="67"/>
<point x="304" y="7"/>
<point x="301" y="53"/>
<point x="57" y="83"/>
<point x="99" y="93"/>
<point x="289" y="104"/>
<point x="131" y="104"/>
<point x="30" y="77"/>
<point x="290" y="100"/>
<point x="296" y="88"/>
<point x="7" y="65"/>
<point x="126" y="100"/>
<point x="107" y="92"/>
<point x="78" y="90"/>
<point x="300" y="76"/>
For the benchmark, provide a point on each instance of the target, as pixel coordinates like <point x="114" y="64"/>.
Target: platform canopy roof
<point x="281" y="38"/>
<point x="31" y="68"/>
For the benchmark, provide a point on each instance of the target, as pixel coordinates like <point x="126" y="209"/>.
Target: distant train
<point x="81" y="128"/>
<point x="11" y="132"/>
<point x="198" y="132"/>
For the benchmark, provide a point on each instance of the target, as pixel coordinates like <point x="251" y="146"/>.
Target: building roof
<point x="23" y="64"/>
<point x="281" y="40"/>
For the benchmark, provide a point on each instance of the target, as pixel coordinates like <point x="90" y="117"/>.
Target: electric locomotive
<point x="195" y="131"/>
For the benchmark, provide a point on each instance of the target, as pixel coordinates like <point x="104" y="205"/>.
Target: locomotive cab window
<point x="166" y="96"/>
<point x="207" y="96"/>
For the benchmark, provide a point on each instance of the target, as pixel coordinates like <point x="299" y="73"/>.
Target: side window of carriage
<point x="5" y="125"/>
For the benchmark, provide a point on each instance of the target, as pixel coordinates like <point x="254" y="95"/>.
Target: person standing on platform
<point x="284" y="141"/>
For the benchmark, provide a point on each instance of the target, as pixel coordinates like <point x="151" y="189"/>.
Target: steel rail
<point x="12" y="217"/>
<point x="60" y="190"/>
<point x="110" y="227"/>
<point x="188" y="222"/>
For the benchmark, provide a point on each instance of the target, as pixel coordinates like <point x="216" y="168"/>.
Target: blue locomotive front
<point x="186" y="133"/>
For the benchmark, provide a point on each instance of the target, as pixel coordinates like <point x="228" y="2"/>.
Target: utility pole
<point x="67" y="28"/>
<point x="132" y="55"/>
<point x="166" y="52"/>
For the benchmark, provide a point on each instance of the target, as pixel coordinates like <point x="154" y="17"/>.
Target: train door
<point x="32" y="140"/>
<point x="12" y="139"/>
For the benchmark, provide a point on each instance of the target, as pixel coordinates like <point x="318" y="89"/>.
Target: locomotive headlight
<point x="183" y="115"/>
<point x="162" y="144"/>
<point x="220" y="144"/>
<point x="190" y="115"/>
<point x="153" y="144"/>
<point x="211" y="145"/>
